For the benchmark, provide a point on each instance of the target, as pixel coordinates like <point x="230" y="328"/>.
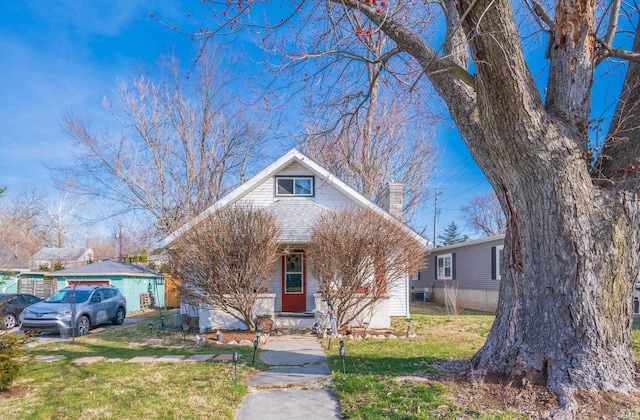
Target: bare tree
<point x="226" y="260"/>
<point x="62" y="217"/>
<point x="357" y="256"/>
<point x="571" y="260"/>
<point x="22" y="223"/>
<point x="484" y="214"/>
<point x="367" y="134"/>
<point x="183" y="144"/>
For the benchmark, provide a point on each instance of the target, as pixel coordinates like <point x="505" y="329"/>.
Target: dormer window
<point x="298" y="186"/>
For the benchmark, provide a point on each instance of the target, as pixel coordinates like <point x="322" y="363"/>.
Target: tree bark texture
<point x="572" y="243"/>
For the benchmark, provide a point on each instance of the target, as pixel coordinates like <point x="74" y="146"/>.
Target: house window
<point x="497" y="255"/>
<point x="301" y="186"/>
<point x="293" y="274"/>
<point x="444" y="267"/>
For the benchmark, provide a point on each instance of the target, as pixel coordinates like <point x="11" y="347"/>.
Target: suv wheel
<point x="119" y="319"/>
<point x="83" y="325"/>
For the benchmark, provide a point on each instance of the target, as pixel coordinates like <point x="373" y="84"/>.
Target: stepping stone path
<point x="225" y="357"/>
<point x="296" y="386"/>
<point x="169" y="359"/>
<point x="199" y="358"/>
<point x="88" y="360"/>
<point x="49" y="359"/>
<point x="196" y="358"/>
<point x="142" y="359"/>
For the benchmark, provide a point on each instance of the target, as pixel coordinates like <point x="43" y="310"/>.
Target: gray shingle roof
<point x="59" y="254"/>
<point x="107" y="267"/>
<point x="295" y="217"/>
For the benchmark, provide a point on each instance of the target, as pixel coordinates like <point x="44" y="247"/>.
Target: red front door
<point x="294" y="283"/>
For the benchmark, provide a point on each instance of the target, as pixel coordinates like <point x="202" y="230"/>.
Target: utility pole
<point x="119" y="242"/>
<point x="435" y="218"/>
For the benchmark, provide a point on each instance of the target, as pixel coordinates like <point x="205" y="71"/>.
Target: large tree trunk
<point x="572" y="244"/>
<point x="571" y="260"/>
<point x="571" y="253"/>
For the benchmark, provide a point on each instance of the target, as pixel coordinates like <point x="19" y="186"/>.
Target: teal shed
<point x="135" y="282"/>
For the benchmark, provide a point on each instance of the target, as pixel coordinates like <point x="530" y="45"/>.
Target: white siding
<point x="325" y="194"/>
<point x="262" y="195"/>
<point x="398" y="298"/>
<point x="275" y="285"/>
<point x="312" y="288"/>
<point x="295" y="169"/>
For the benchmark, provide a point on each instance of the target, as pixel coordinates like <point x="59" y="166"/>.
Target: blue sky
<point x="65" y="56"/>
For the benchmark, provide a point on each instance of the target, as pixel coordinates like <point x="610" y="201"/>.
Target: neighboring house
<point x="475" y="268"/>
<point x="68" y="257"/>
<point x="134" y="281"/>
<point x="297" y="190"/>
<point x="472" y="267"/>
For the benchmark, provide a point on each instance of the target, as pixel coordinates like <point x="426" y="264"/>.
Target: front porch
<point x="212" y="318"/>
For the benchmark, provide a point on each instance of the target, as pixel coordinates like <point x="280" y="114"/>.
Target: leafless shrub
<point x="453" y="301"/>
<point x="226" y="260"/>
<point x="358" y="256"/>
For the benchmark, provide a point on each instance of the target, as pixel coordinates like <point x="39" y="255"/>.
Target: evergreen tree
<point x="451" y="235"/>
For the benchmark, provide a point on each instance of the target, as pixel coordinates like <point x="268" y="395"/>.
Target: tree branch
<point x="411" y="42"/>
<point x="613" y="23"/>
<point x="544" y="16"/>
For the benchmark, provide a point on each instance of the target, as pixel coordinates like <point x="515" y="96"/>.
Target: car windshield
<point x="69" y="296"/>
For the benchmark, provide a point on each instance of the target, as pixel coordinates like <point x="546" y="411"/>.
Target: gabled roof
<point x="59" y="254"/>
<point x="291" y="156"/>
<point x="107" y="268"/>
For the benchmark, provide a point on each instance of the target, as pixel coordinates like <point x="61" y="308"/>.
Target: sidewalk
<point x="295" y="387"/>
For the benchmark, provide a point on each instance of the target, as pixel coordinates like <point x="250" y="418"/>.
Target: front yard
<point x="385" y="378"/>
<point x="65" y="390"/>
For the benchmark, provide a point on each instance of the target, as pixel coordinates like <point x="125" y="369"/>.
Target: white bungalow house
<point x="297" y="190"/>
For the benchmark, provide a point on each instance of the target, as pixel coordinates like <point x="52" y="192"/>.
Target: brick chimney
<point x="390" y="199"/>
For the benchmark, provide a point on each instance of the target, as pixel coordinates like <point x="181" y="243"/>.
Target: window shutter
<point x="453" y="266"/>
<point x="493" y="263"/>
<point x="435" y="263"/>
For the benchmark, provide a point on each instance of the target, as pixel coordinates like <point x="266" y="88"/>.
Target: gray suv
<point x="75" y="308"/>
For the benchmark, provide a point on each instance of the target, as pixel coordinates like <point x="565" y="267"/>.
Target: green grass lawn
<point x="369" y="391"/>
<point x="64" y="390"/>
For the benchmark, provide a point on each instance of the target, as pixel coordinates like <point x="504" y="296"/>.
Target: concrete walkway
<point x="296" y="385"/>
